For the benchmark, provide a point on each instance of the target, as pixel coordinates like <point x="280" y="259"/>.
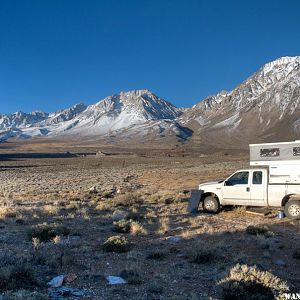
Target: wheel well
<point x="286" y="199"/>
<point x="209" y="194"/>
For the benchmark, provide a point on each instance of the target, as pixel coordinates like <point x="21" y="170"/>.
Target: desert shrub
<point x="128" y="199"/>
<point x="202" y="253"/>
<point x="159" y="255"/>
<point x="244" y="282"/>
<point x="45" y="232"/>
<point x="296" y="254"/>
<point x="259" y="230"/>
<point x="117" y="243"/>
<point x="137" y="229"/>
<point x="131" y="276"/>
<point x="53" y="255"/>
<point x="122" y="226"/>
<point x="15" y="274"/>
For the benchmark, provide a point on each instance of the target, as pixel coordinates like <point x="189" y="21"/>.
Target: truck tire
<point x="211" y="205"/>
<point x="292" y="209"/>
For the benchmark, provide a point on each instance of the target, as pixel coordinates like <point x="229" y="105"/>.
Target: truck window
<point x="257" y="177"/>
<point x="238" y="178"/>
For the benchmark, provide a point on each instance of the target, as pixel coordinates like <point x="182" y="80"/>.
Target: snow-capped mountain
<point x="265" y="107"/>
<point x="114" y="114"/>
<point x="21" y="119"/>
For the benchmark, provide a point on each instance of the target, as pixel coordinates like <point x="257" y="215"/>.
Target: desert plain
<point x="88" y="213"/>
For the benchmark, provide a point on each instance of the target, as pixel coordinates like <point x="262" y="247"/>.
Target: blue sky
<point x="55" y="53"/>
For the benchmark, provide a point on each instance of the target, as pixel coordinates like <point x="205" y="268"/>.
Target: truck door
<point x="258" y="188"/>
<point x="236" y="189"/>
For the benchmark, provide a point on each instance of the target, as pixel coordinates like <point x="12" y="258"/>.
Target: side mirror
<point x="227" y="183"/>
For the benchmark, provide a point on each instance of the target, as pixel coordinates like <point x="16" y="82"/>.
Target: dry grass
<point x="137" y="229"/>
<point x="164" y="225"/>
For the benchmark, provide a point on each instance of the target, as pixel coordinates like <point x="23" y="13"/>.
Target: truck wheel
<point x="211" y="204"/>
<point x="292" y="209"/>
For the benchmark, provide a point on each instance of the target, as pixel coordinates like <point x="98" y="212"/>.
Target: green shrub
<point x="244" y="282"/>
<point x="117" y="244"/>
<point x="46" y="233"/>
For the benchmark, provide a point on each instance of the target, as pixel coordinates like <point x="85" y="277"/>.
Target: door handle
<point x="248" y="189"/>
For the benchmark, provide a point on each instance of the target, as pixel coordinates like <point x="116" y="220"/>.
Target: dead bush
<point x="46" y="233"/>
<point x="248" y="282"/>
<point x="117" y="243"/>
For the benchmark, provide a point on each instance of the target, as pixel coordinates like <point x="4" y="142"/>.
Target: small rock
<point x="70" y="278"/>
<point x="112" y="280"/>
<point x="57" y="281"/>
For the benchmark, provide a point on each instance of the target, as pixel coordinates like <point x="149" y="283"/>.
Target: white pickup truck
<point x="273" y="180"/>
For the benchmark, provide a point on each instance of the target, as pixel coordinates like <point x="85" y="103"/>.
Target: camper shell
<point x="282" y="160"/>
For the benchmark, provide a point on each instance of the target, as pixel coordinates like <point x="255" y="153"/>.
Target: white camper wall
<point x="284" y="174"/>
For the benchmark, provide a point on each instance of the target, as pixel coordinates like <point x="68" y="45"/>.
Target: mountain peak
<point x="283" y="62"/>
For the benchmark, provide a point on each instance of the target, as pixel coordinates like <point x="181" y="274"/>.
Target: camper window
<point x="296" y="151"/>
<point x="272" y="152"/>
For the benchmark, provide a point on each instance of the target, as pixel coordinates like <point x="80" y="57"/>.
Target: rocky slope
<point x="265" y="107"/>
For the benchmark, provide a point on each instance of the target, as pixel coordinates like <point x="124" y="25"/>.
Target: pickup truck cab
<point x="273" y="184"/>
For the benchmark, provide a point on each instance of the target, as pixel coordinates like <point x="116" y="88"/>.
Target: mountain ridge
<point x="262" y="106"/>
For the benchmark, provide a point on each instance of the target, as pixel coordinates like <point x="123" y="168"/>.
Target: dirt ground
<point x="57" y="214"/>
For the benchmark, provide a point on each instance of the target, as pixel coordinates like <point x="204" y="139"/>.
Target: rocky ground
<point x="87" y="218"/>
